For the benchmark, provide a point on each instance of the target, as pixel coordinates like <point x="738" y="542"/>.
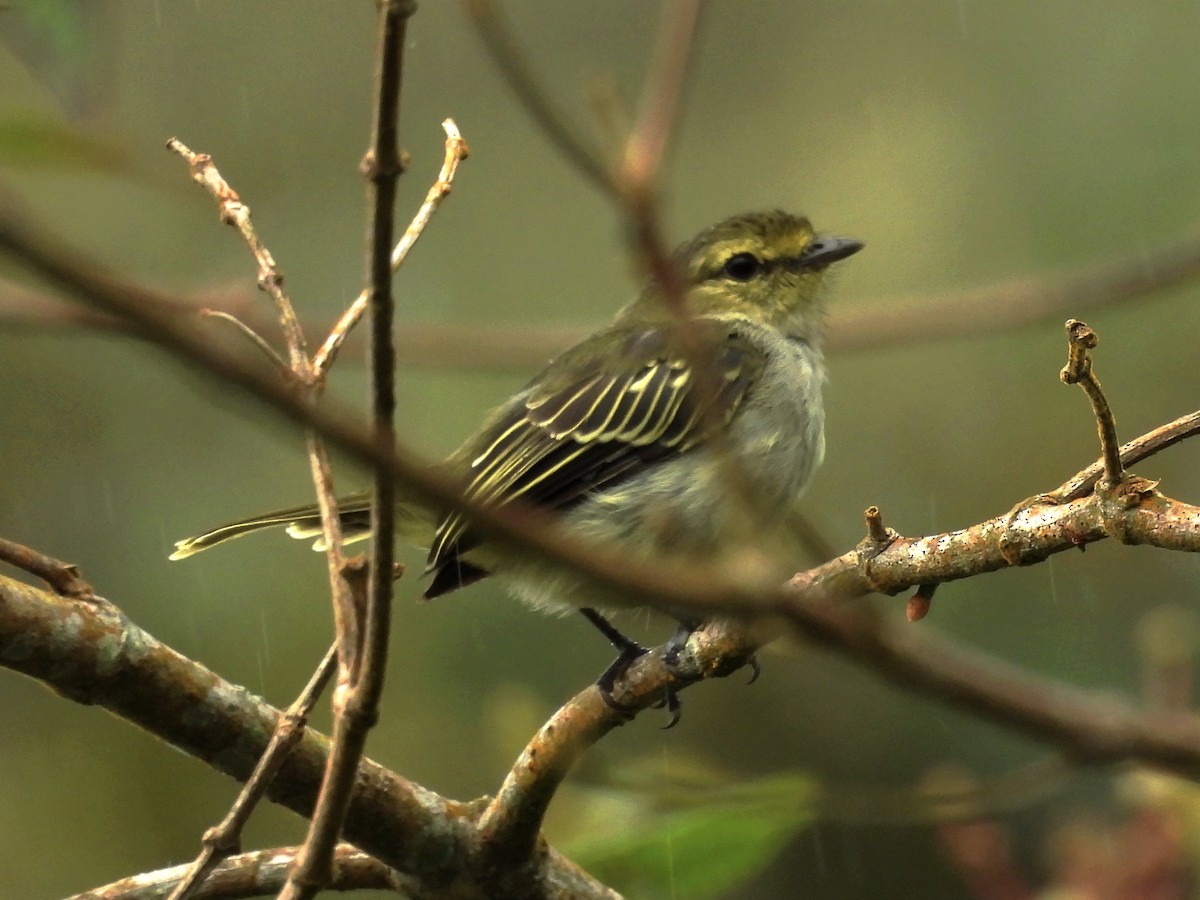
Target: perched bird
<point x="629" y="435"/>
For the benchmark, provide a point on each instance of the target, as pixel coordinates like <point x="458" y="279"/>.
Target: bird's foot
<point x="629" y="650"/>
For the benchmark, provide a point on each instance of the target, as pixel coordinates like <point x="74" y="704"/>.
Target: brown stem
<point x="456" y="152"/>
<point x="62" y="576"/>
<point x="512" y="64"/>
<point x="361" y="671"/>
<point x="256" y="874"/>
<point x="237" y="214"/>
<point x="1078" y="370"/>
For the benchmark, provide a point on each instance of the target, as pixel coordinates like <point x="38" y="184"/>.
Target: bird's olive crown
<point x="768" y="265"/>
<point x="746" y="247"/>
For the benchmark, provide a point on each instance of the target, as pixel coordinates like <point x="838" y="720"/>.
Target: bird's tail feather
<point x="303" y="523"/>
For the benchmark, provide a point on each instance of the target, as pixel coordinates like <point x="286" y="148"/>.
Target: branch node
<point x="1115" y="501"/>
<point x="879" y="538"/>
<point x="876" y="530"/>
<point x="1080" y="339"/>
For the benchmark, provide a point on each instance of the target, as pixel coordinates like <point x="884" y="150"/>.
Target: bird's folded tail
<point x="303" y="523"/>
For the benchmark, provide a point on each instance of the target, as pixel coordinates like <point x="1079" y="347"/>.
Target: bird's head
<point x="766" y="266"/>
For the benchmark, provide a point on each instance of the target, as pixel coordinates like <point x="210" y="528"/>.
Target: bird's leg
<point x="627" y="651"/>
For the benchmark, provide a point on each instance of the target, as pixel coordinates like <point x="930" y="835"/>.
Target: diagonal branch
<point x="96" y="656"/>
<point x="510" y="61"/>
<point x="224" y="838"/>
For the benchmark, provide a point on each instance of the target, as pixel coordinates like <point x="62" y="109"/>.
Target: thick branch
<point x="95" y="655"/>
<point x="258" y="874"/>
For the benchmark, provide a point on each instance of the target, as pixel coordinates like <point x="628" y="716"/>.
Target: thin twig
<point x="362" y="663"/>
<point x="456" y="152"/>
<point x="301" y="371"/>
<point x="1082" y="482"/>
<point x="253" y="336"/>
<point x="224" y="839"/>
<point x="1078" y="370"/>
<point x="912" y="319"/>
<point x="63" y="577"/>
<point x="510" y="824"/>
<point x="876" y="531"/>
<point x="237" y="214"/>
<point x="510" y="61"/>
<point x="703" y="588"/>
<point x="647" y="145"/>
<point x="345" y="612"/>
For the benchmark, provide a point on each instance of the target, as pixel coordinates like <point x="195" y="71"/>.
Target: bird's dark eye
<point x="742" y="266"/>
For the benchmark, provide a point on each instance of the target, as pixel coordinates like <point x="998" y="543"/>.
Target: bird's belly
<point x="730" y="493"/>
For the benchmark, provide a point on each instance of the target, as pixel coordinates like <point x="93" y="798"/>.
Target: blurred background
<point x="965" y="142"/>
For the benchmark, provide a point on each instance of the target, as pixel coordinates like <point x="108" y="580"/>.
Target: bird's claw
<point x="755" y="669"/>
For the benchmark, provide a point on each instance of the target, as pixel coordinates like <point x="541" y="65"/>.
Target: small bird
<point x="629" y="435"/>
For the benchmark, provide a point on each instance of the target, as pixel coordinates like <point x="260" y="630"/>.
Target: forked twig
<point x="361" y="674"/>
<point x="510" y="60"/>
<point x="456" y="151"/>
<point x="237" y="214"/>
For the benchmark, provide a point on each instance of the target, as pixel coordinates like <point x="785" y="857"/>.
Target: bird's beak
<point x="824" y="251"/>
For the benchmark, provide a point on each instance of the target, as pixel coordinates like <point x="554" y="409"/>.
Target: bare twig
<point x="511" y="63"/>
<point x="62" y="576"/>
<point x="509" y="825"/>
<point x="702" y="588"/>
<point x="647" y="145"/>
<point x="298" y="370"/>
<point x="1078" y="370"/>
<point x="863" y="325"/>
<point x="224" y="838"/>
<point x="347" y="628"/>
<point x="415" y="830"/>
<point x="237" y="214"/>
<point x="254" y="337"/>
<point x="1135" y="451"/>
<point x="876" y="531"/>
<point x="361" y="671"/>
<point x="456" y="152"/>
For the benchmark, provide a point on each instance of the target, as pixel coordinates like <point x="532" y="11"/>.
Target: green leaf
<point x="705" y="851"/>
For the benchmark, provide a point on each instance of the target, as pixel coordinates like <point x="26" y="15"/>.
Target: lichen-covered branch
<point x="93" y="654"/>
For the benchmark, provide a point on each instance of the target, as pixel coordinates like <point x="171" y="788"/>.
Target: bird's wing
<point x="590" y="424"/>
